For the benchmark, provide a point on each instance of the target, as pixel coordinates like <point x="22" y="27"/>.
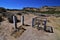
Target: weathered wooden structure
<point x="37" y="21"/>
<point x="40" y="22"/>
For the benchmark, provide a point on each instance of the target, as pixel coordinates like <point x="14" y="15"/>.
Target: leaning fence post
<point x="32" y="22"/>
<point x="44" y="24"/>
<point x="22" y="20"/>
<point x="15" y="22"/>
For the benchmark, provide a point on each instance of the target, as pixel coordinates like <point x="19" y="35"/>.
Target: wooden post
<point x="33" y="22"/>
<point x="38" y="27"/>
<point x="45" y="25"/>
<point x="15" y="22"/>
<point x="22" y="20"/>
<point x="0" y="23"/>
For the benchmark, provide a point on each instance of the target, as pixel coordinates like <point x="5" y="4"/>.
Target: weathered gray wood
<point x="22" y="20"/>
<point x="32" y="22"/>
<point x="44" y="24"/>
<point x="0" y="23"/>
<point x="14" y="22"/>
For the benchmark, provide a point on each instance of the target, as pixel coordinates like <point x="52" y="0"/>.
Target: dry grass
<point x="56" y="24"/>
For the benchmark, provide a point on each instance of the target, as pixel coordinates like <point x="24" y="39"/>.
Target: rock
<point x="49" y="29"/>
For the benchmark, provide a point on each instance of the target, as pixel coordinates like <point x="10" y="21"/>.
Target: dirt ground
<point x="31" y="33"/>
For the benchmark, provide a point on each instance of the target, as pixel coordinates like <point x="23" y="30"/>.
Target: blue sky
<point x="18" y="4"/>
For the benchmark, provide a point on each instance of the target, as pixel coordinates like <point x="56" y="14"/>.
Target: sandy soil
<point x="30" y="33"/>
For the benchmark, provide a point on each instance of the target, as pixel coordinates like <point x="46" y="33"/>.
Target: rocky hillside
<point x="44" y="9"/>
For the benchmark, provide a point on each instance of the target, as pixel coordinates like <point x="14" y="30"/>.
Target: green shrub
<point x="2" y="9"/>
